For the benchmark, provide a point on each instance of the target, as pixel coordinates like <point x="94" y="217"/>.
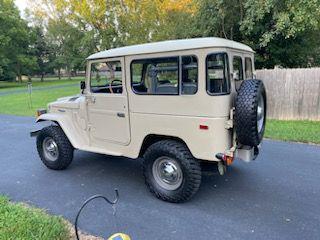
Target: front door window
<point x="106" y="77"/>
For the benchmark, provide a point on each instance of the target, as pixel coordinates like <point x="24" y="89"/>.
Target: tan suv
<point x="177" y="104"/>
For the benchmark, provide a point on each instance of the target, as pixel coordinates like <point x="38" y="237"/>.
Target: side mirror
<point x="82" y="86"/>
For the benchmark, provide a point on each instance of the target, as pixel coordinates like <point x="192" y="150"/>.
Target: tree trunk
<point x="241" y="10"/>
<point x="69" y="74"/>
<point x="19" y="73"/>
<point x="59" y="74"/>
<point x="42" y="77"/>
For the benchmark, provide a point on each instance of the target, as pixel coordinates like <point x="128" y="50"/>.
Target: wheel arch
<point x="65" y="124"/>
<point x="153" y="138"/>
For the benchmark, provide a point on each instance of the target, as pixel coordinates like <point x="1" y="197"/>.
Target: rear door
<point x="108" y="103"/>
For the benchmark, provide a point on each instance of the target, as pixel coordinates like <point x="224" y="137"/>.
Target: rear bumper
<point x="244" y="153"/>
<point x="247" y="153"/>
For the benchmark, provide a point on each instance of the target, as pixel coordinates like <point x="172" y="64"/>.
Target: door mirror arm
<point x="82" y="86"/>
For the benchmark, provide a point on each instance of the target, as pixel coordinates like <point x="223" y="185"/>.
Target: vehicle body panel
<point x="92" y="122"/>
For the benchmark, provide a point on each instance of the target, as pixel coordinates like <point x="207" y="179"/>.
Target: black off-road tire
<point x="190" y="167"/>
<point x="64" y="147"/>
<point x="246" y="112"/>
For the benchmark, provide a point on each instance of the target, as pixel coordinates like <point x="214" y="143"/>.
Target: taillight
<point x="228" y="160"/>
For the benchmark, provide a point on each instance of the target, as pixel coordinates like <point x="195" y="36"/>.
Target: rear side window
<point x="189" y="74"/>
<point x="249" y="72"/>
<point x="218" y="81"/>
<point x="237" y="68"/>
<point x="155" y="76"/>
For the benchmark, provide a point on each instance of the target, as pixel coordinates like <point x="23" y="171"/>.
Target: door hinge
<point x="90" y="98"/>
<point x="229" y="123"/>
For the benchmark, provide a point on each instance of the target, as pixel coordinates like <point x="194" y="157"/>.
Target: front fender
<point x="78" y="138"/>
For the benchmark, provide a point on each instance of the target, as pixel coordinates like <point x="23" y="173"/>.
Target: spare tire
<point x="250" y="112"/>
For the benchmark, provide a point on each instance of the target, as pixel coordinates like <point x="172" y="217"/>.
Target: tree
<point x="43" y="53"/>
<point x="220" y="18"/>
<point x="68" y="40"/>
<point x="287" y="18"/>
<point x="16" y="56"/>
<point x="154" y="20"/>
<point x="68" y="46"/>
<point x="114" y="23"/>
<point x="281" y="32"/>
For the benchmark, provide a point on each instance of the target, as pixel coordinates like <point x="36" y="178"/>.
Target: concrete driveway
<point x="275" y="197"/>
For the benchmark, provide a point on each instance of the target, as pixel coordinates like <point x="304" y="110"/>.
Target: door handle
<point x="122" y="115"/>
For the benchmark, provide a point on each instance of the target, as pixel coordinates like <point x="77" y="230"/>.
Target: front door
<point x="108" y="103"/>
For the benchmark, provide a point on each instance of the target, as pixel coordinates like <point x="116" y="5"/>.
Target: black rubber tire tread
<point x="65" y="148"/>
<point x="246" y="112"/>
<point x="190" y="166"/>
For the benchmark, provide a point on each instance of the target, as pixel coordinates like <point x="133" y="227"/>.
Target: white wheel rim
<point x="260" y="113"/>
<point x="50" y="149"/>
<point x="167" y="173"/>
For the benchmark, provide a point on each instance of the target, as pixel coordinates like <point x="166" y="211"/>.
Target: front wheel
<point x="54" y="148"/>
<point x="171" y="172"/>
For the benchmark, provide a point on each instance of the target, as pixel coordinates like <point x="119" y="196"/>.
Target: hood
<point x="71" y="102"/>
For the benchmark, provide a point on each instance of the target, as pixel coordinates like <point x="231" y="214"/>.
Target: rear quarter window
<point x="218" y="79"/>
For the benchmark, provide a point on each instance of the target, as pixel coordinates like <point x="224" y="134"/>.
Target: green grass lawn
<point x="299" y="131"/>
<point x="19" y="104"/>
<point x="18" y="221"/>
<point x="11" y="86"/>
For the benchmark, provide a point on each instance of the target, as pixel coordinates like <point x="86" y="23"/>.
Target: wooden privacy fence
<point x="292" y="93"/>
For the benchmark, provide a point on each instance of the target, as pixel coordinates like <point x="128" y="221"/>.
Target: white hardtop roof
<point x="172" y="45"/>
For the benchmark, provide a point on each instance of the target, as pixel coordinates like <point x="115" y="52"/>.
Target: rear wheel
<point x="171" y="172"/>
<point x="54" y="148"/>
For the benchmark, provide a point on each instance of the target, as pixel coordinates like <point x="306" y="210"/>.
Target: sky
<point x="22" y="4"/>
